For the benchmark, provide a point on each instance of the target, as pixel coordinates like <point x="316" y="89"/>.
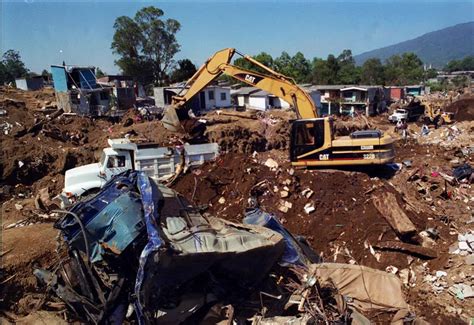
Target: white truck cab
<point x="398" y="115"/>
<point x="158" y="163"/>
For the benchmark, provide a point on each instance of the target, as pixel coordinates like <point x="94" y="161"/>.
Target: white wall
<point x="260" y="103"/>
<point x="241" y="100"/>
<point x="217" y="102"/>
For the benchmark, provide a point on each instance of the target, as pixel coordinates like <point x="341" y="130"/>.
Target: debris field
<point x="412" y="219"/>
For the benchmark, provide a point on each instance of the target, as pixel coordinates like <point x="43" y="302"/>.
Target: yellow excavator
<point x="434" y="113"/>
<point x="312" y="142"/>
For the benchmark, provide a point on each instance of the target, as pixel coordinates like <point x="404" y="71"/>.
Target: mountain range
<point x="436" y="48"/>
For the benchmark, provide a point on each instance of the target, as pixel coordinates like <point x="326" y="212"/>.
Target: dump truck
<point x="159" y="163"/>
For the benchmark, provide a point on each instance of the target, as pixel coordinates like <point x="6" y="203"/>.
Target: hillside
<point x="436" y="48"/>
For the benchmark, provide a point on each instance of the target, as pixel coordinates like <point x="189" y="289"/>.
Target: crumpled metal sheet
<point x="154" y="239"/>
<point x="293" y="254"/>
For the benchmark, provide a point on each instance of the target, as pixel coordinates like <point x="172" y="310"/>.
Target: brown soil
<point x="463" y="109"/>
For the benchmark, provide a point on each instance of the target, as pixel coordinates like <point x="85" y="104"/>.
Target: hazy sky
<point x="80" y="32"/>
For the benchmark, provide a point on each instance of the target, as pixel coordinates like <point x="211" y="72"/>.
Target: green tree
<point x="46" y="75"/>
<point x="460" y="81"/>
<point x="296" y="67"/>
<point x="320" y="72"/>
<point x="373" y="72"/>
<point x="99" y="73"/>
<point x="184" y="71"/>
<point x="404" y="70"/>
<point x="347" y="72"/>
<point x="146" y="45"/>
<point x="13" y="67"/>
<point x="466" y="64"/>
<point x="263" y="57"/>
<point x="431" y="73"/>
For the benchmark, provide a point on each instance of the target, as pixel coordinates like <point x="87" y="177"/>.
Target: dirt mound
<point x="344" y="214"/>
<point x="463" y="109"/>
<point x="246" y="133"/>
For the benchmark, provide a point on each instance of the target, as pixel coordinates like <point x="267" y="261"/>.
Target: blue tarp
<point x="293" y="254"/>
<point x="154" y="239"/>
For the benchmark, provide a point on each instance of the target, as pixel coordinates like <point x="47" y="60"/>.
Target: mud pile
<point x="463" y="109"/>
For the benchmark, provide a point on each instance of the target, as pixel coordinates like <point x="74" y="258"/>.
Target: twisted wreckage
<point x="140" y="252"/>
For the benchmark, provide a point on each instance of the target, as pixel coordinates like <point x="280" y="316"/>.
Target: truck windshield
<point x="401" y="111"/>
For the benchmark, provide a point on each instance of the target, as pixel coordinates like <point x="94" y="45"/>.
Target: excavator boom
<point x="273" y="82"/>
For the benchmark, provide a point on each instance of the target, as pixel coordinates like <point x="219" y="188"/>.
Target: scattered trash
<point x="461" y="291"/>
<point x="309" y="208"/>
<point x="221" y="200"/>
<point x="462" y="172"/>
<point x="307" y="193"/>
<point x="272" y="164"/>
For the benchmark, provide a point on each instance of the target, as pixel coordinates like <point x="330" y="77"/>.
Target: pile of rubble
<point x="185" y="266"/>
<point x="458" y="135"/>
<point x="245" y="238"/>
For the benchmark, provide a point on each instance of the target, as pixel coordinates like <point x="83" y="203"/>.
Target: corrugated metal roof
<point x="261" y="93"/>
<point x="245" y="91"/>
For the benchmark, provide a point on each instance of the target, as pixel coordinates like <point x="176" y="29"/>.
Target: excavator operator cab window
<point x="308" y="135"/>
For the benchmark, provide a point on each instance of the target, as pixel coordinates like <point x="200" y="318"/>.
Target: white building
<point x="263" y="100"/>
<point x="211" y="97"/>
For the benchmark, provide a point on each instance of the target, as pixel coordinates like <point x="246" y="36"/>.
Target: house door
<point x="202" y="100"/>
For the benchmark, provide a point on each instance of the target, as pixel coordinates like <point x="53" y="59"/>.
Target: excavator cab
<point x="313" y="143"/>
<point x="307" y="135"/>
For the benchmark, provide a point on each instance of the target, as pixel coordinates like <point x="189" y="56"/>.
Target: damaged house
<point x="31" y="83"/>
<point x="254" y="98"/>
<point x="211" y="97"/>
<point x="122" y="88"/>
<point x="78" y="92"/>
<point x="368" y="100"/>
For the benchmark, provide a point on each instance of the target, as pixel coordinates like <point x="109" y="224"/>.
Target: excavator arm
<point x="273" y="82"/>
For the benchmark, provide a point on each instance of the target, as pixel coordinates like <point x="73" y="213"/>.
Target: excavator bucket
<point x="170" y="120"/>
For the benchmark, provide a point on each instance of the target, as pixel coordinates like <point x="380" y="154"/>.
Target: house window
<point x="211" y="94"/>
<point x="223" y="96"/>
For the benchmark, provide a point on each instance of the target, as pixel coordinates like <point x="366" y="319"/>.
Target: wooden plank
<point x="419" y="251"/>
<point x="386" y="203"/>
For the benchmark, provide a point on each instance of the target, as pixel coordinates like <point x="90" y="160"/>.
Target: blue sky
<point x="80" y="32"/>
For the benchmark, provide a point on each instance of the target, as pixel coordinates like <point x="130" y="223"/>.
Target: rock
<point x="307" y="193"/>
<point x="469" y="259"/>
<point x="291" y="172"/>
<point x="272" y="164"/>
<point x="284" y="194"/>
<point x="221" y="200"/>
<point x="309" y="208"/>
<point x="283" y="208"/>
<point x="42" y="199"/>
<point x="18" y="206"/>
<point x="440" y="274"/>
<point x="391" y="269"/>
<point x="286" y="204"/>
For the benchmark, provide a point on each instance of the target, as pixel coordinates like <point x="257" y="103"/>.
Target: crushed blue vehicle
<point x="140" y="251"/>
